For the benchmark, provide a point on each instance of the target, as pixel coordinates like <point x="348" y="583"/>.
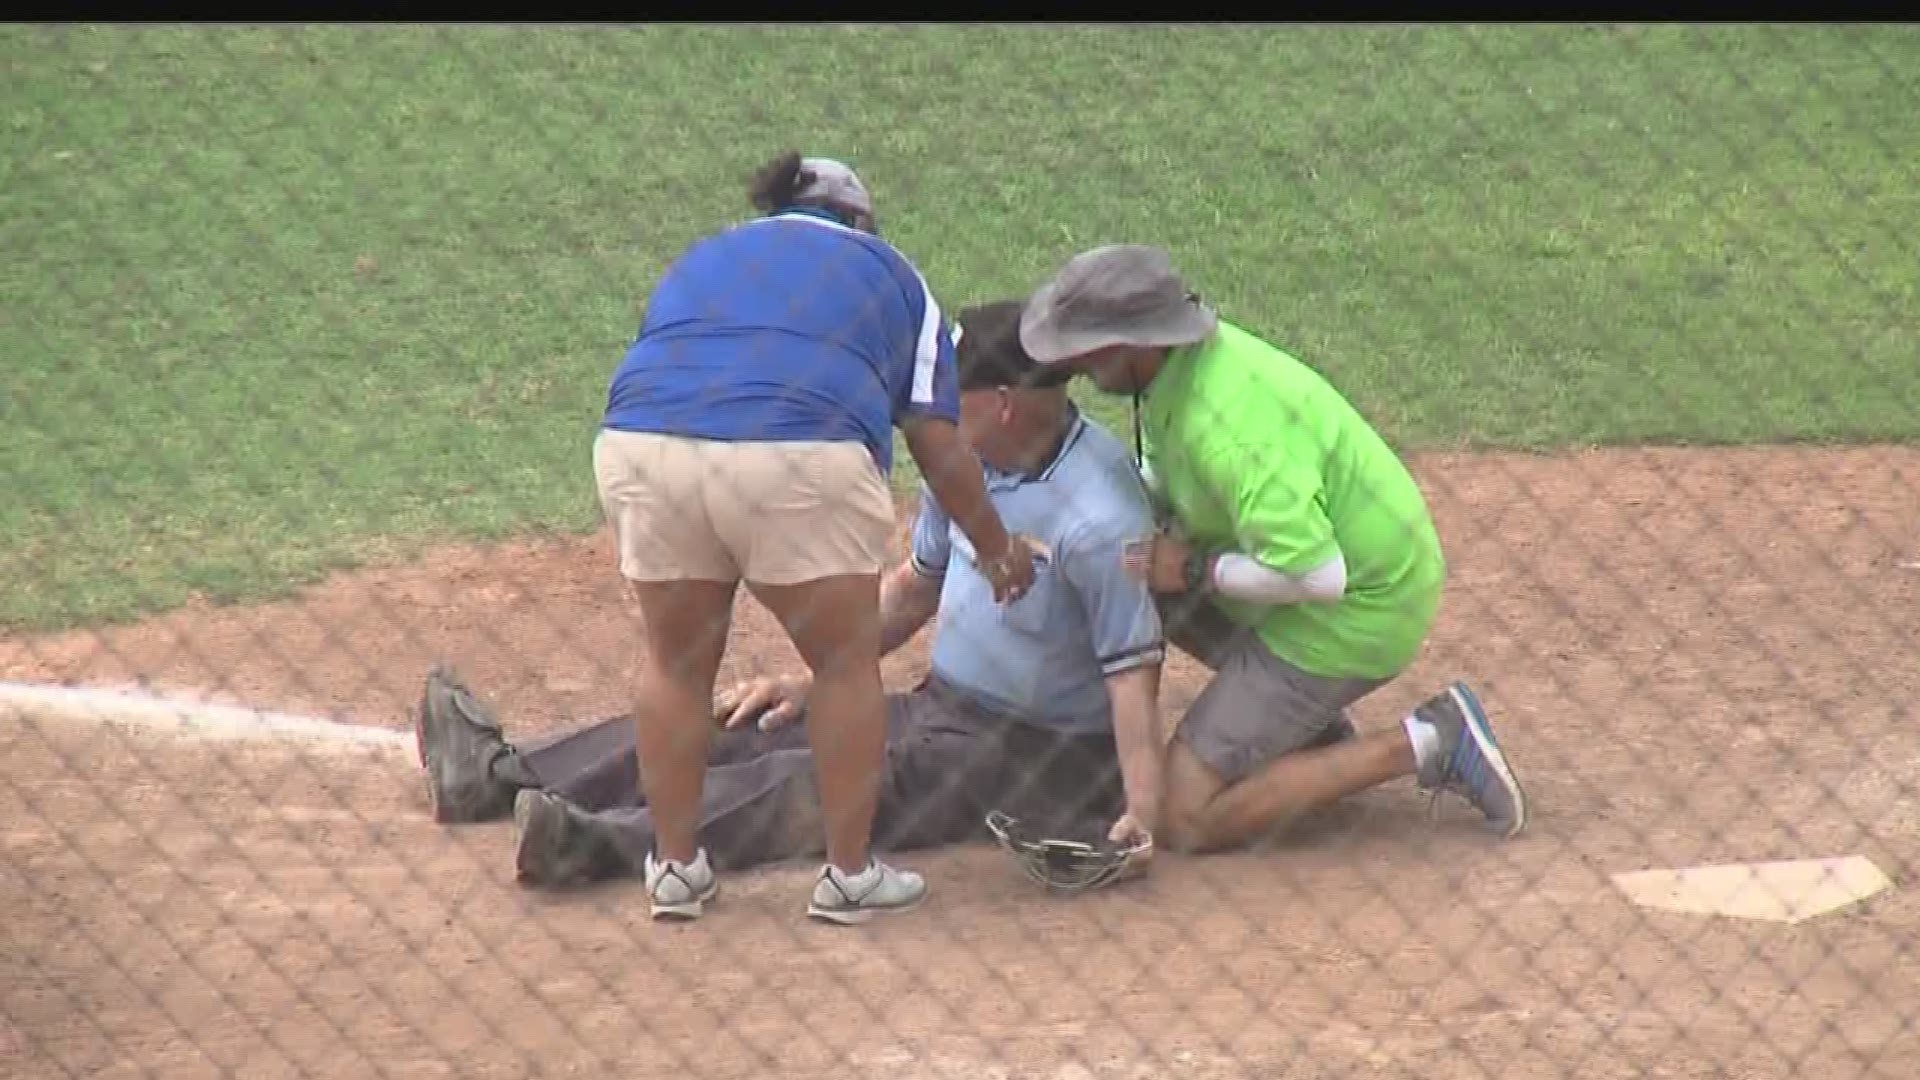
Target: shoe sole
<point x="856" y="915"/>
<point x="1481" y="732"/>
<point x="530" y="819"/>
<point x="686" y="911"/>
<point x="425" y="730"/>
<point x="437" y="806"/>
<point x="437" y="675"/>
<point x="420" y="754"/>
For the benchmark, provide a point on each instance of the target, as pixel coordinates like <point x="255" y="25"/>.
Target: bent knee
<point x="1188" y="787"/>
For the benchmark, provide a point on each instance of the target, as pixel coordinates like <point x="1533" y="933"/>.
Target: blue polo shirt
<point x="1044" y="658"/>
<point x="788" y="327"/>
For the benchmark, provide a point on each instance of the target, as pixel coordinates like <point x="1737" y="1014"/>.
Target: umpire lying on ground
<point x="1044" y="709"/>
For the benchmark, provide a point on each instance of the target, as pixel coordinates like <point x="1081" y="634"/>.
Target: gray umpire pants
<point x="948" y="762"/>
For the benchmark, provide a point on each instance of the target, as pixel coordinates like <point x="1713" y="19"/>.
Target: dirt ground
<point x="1691" y="656"/>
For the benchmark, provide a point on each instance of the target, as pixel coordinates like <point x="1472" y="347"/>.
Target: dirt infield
<point x="1692" y="656"/>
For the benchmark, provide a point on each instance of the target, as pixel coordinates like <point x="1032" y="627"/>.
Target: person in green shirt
<point x="1305" y="570"/>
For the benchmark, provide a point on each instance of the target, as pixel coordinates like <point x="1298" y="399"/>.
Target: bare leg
<point x="687" y="624"/>
<point x="1205" y="815"/>
<point x="835" y="624"/>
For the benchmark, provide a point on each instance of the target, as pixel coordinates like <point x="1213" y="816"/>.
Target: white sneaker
<point x="680" y="890"/>
<point x="854" y="898"/>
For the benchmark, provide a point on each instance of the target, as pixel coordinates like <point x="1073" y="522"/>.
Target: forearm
<point x="1241" y="577"/>
<point x="953" y="474"/>
<point x="908" y="600"/>
<point x="1135" y="696"/>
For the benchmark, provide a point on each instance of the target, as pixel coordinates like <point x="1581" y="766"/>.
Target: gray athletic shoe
<point x="557" y="845"/>
<point x="1470" y="762"/>
<point x="848" y="899"/>
<point x="457" y="739"/>
<point x="678" y="890"/>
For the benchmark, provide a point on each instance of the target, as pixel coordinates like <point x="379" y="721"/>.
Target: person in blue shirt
<point x="1043" y="708"/>
<point x="748" y="437"/>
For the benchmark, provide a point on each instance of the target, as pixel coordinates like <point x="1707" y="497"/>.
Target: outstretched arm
<point x="908" y="601"/>
<point x="928" y="414"/>
<point x="953" y="474"/>
<point x="1128" y="640"/>
<point x="1134" y="695"/>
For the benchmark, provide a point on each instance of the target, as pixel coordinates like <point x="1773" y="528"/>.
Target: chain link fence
<point x="309" y="337"/>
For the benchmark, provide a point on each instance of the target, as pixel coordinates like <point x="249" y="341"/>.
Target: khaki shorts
<point x="771" y="513"/>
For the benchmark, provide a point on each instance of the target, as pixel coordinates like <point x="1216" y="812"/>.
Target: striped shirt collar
<point x="1001" y="479"/>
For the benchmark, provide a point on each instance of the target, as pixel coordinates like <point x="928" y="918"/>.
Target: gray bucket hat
<point x="1120" y="294"/>
<point x="835" y="183"/>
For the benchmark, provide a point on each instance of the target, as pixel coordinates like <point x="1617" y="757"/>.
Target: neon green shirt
<point x="1256" y="452"/>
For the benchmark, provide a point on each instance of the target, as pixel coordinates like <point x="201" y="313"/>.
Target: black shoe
<point x="557" y="845"/>
<point x="457" y="739"/>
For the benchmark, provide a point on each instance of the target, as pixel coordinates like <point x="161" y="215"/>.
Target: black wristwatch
<point x="1198" y="571"/>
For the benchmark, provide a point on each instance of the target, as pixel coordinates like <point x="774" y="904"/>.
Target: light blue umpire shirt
<point x="1044" y="658"/>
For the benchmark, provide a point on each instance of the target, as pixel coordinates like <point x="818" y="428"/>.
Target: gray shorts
<point x="1257" y="706"/>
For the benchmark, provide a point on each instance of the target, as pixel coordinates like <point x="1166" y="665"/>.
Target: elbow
<point x="1327" y="583"/>
<point x="1329" y="593"/>
<point x="945" y="459"/>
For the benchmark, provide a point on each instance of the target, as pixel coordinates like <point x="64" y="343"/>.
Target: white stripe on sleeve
<point x="927" y="351"/>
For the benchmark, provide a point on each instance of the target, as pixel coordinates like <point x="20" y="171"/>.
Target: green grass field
<point x="283" y="299"/>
